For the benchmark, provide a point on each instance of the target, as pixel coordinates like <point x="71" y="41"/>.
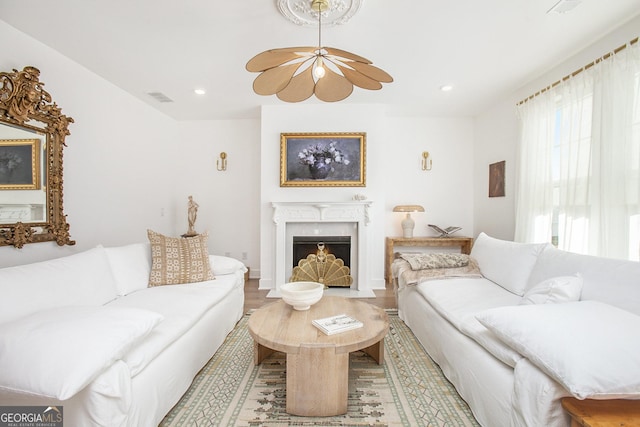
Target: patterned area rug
<point x="407" y="390"/>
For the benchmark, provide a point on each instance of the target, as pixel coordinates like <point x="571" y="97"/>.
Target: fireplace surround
<point x="323" y="219"/>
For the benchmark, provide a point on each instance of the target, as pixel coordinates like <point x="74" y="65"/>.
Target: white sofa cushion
<point x="56" y="353"/>
<point x="592" y="349"/>
<point x="131" y="265"/>
<point x="554" y="290"/>
<point x="472" y="328"/>
<point x="456" y="299"/>
<point x="506" y="263"/>
<point x="221" y="265"/>
<point x="612" y="281"/>
<point x="84" y="278"/>
<point x="181" y="305"/>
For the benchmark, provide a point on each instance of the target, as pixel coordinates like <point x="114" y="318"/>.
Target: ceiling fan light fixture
<point x="294" y="74"/>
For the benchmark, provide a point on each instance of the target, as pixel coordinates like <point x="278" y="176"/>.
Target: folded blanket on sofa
<point x="401" y="267"/>
<point x="435" y="260"/>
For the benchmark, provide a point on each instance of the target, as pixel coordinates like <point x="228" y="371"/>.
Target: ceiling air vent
<point x="564" y="6"/>
<point x="159" y="96"/>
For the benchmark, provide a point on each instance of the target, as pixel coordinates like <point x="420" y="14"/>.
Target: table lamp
<point x="408" y="223"/>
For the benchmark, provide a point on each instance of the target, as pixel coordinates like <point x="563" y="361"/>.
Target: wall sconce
<point x="408" y="223"/>
<point x="221" y="163"/>
<point x="426" y="161"/>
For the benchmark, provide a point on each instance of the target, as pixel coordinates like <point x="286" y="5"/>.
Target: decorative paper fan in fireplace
<point x="322" y="268"/>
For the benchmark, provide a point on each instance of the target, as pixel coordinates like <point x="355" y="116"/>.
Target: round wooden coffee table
<point x="317" y="364"/>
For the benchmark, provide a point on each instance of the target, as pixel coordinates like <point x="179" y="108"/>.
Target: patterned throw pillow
<point x="176" y="260"/>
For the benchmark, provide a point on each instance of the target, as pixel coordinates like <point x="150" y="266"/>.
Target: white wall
<point x="445" y="192"/>
<point x="393" y="175"/>
<point x="496" y="137"/>
<point x="114" y="162"/>
<point x="229" y="201"/>
<point x="128" y="167"/>
<point x="496" y="134"/>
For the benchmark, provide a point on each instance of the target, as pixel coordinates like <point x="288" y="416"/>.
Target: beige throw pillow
<point x="176" y="260"/>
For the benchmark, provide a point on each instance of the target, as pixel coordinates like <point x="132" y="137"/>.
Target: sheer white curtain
<point x="576" y="189"/>
<point x="579" y="161"/>
<point x="616" y="140"/>
<point x="534" y="182"/>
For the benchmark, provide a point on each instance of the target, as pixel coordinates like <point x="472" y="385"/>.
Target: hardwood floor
<point x="255" y="298"/>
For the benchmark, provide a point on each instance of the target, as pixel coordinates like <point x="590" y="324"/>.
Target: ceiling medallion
<point x="301" y="12"/>
<point x="293" y="74"/>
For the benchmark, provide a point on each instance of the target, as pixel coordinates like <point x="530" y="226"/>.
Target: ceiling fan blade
<point x="299" y="88"/>
<point x="333" y="87"/>
<point x="359" y="79"/>
<point x="372" y="72"/>
<point x="274" y="79"/>
<point x="345" y="54"/>
<point x="274" y="57"/>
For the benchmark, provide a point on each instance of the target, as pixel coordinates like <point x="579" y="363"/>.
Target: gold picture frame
<point x="19" y="164"/>
<point x="28" y="111"/>
<point x="323" y="159"/>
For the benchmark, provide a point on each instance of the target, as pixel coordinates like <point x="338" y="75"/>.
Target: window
<point x="579" y="166"/>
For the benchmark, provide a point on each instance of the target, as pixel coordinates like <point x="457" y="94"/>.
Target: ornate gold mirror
<point x="32" y="134"/>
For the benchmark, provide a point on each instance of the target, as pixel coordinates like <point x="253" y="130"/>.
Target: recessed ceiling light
<point x="446" y="88"/>
<point x="200" y="91"/>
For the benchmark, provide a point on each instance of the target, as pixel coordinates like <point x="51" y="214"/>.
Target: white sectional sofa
<point x="541" y="324"/>
<point x="85" y="332"/>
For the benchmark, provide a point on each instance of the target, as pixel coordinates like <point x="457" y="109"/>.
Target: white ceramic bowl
<point x="301" y="295"/>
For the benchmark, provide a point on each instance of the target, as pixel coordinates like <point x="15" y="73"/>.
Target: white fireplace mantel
<point x="357" y="211"/>
<point x="324" y="212"/>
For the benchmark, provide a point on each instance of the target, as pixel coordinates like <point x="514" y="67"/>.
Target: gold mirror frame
<point x="25" y="104"/>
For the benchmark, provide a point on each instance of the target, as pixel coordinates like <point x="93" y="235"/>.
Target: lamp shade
<point x="408" y="208"/>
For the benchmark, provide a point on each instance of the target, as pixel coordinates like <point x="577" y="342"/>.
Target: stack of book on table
<point x="335" y="324"/>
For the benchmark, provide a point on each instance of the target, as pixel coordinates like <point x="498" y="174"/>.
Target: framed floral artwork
<point x="323" y="159"/>
<point x="19" y="164"/>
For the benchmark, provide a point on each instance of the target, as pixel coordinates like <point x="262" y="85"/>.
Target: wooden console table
<point x="464" y="243"/>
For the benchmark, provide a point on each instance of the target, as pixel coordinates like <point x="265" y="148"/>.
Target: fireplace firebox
<point x="339" y="246"/>
<point x="323" y="259"/>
